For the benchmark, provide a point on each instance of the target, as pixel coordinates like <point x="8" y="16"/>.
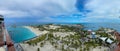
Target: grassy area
<point x="36" y="40"/>
<point x="72" y="41"/>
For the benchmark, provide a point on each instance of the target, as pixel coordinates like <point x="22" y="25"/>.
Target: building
<point x="93" y="35"/>
<point x="89" y="31"/>
<point x="105" y="39"/>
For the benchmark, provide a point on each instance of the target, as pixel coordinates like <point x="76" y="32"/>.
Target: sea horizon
<point x="90" y="25"/>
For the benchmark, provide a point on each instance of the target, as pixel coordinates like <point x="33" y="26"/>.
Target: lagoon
<point x="19" y="34"/>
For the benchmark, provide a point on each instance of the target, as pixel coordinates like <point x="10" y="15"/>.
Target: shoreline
<point x="36" y="31"/>
<point x="51" y="47"/>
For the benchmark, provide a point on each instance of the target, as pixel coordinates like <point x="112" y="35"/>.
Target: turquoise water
<point x="19" y="34"/>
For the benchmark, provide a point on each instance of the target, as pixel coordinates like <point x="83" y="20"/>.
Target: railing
<point x="18" y="47"/>
<point x="8" y="43"/>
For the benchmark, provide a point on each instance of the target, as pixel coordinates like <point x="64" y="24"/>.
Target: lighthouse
<point x="1" y="34"/>
<point x="6" y="43"/>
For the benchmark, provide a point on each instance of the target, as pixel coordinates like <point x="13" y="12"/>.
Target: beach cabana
<point x="105" y="39"/>
<point x="93" y="35"/>
<point x="109" y="40"/>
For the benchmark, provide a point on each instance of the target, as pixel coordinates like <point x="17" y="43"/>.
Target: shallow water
<point x="19" y="34"/>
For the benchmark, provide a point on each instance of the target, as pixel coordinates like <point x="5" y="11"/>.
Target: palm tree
<point x="55" y="47"/>
<point x="38" y="49"/>
<point x="62" y="47"/>
<point x="41" y="44"/>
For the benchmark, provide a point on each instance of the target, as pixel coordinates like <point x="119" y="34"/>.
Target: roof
<point x="103" y="38"/>
<point x="108" y="40"/>
<point x="89" y="30"/>
<point x="93" y="32"/>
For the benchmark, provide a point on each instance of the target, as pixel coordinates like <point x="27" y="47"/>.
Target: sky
<point x="64" y="11"/>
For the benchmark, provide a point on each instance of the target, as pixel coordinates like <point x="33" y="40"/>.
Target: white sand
<point x="46" y="47"/>
<point x="36" y="30"/>
<point x="100" y="49"/>
<point x="2" y="49"/>
<point x="63" y="34"/>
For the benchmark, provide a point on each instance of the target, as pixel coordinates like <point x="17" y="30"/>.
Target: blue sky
<point x="72" y="11"/>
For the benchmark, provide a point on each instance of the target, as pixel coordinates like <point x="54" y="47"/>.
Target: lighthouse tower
<point x="1" y="31"/>
<point x="5" y="41"/>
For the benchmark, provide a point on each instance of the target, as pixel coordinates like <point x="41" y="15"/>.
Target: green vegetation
<point x="77" y="41"/>
<point x="36" y="40"/>
<point x="38" y="49"/>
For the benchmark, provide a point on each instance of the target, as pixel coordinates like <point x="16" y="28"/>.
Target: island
<point x="61" y="37"/>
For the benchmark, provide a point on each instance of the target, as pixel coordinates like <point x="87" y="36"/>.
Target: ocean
<point x="19" y="34"/>
<point x="96" y="26"/>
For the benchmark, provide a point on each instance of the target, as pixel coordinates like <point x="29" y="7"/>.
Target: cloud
<point x="60" y="10"/>
<point x="10" y="13"/>
<point x="36" y="8"/>
<point x="103" y="9"/>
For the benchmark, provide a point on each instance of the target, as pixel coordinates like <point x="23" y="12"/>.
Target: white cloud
<point x="11" y="13"/>
<point x="38" y="8"/>
<point x="103" y="9"/>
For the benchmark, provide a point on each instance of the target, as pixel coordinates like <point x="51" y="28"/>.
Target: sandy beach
<point x="36" y="30"/>
<point x="47" y="46"/>
<point x="2" y="49"/>
<point x="100" y="49"/>
<point x="63" y="34"/>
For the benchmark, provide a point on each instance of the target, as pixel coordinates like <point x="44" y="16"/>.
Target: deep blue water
<point x="95" y="26"/>
<point x="19" y="34"/>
